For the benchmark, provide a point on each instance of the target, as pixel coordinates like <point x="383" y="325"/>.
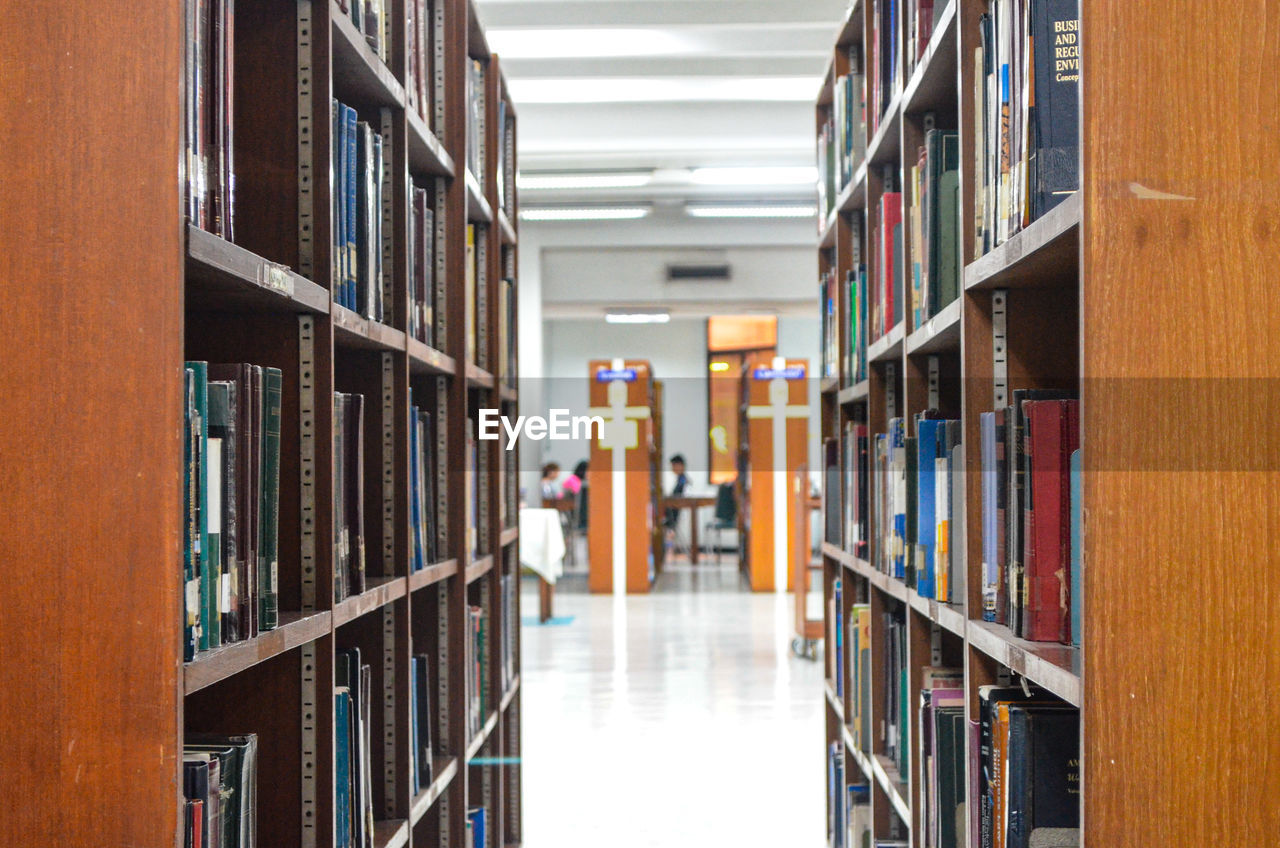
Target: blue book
<point x="342" y="767"/>
<point x="1077" y="578"/>
<point x="837" y="591"/>
<point x="476" y="818"/>
<point x="349" y="277"/>
<point x="927" y="432"/>
<point x="337" y="211"/>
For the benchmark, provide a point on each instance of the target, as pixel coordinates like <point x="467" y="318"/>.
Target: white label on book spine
<point x="224" y="604"/>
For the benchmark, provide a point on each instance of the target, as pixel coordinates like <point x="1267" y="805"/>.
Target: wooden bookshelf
<point x="149" y="290"/>
<point x="1076" y="294"/>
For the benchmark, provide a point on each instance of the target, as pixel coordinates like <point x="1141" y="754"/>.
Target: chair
<point x="725" y="517"/>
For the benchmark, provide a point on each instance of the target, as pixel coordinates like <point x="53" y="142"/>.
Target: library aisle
<point x="679" y="719"/>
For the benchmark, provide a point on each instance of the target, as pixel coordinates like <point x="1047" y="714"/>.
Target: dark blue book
<point x="415" y="492"/>
<point x="927" y="438"/>
<point x="476" y="818"/>
<point x="342" y="767"/>
<point x="349" y="193"/>
<point x="1055" y="118"/>
<point x="1044" y="776"/>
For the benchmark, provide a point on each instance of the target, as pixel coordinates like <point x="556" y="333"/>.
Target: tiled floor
<point x="678" y="719"/>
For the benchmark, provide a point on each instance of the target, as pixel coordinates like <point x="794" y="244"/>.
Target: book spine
<point x="269" y="575"/>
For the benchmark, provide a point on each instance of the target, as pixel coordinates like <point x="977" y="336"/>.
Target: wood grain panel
<point x="1182" y="583"/>
<point x="91" y="505"/>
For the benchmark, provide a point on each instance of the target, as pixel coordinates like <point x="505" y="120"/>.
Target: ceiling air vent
<point x="695" y="272"/>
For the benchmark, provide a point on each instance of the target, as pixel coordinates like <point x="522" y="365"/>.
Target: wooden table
<point x="691" y="503"/>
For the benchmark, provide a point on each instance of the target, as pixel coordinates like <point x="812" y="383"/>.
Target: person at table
<point x="551" y="488"/>
<point x="672" y="516"/>
<point x="573" y="483"/>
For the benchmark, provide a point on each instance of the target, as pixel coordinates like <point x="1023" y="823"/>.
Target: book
<point x="208" y="165"/>
<point x="1077" y="577"/>
<point x="348" y="487"/>
<point x="1044" y="776"/>
<point x="1052" y="433"/>
<point x="470" y="294"/>
<point x="239" y="762"/>
<point x="1054" y="153"/>
<point x="477" y="819"/>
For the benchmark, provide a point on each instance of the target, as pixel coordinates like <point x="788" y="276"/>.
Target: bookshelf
<point x="1065" y="303"/>
<point x="265" y="296"/>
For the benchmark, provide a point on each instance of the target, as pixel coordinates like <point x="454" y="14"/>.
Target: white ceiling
<point x="605" y="84"/>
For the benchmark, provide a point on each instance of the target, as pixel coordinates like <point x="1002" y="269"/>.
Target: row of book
<point x="477" y="527"/>
<point x="848" y="805"/>
<point x="936" y="262"/>
<point x="360" y="168"/>
<point x="510" y="608"/>
<point x="353" y="767"/>
<point x="478" y="659"/>
<point x="942" y="740"/>
<point x="476" y="119"/>
<point x="471" y="290"/>
<point x="884" y="62"/>
<point x="422" y="271"/>
<point x="420" y="748"/>
<point x="1031" y="515"/>
<point x="906" y="492"/>
<point x="829" y="332"/>
<point x="208" y="84"/>
<point x="372" y="21"/>
<point x="422" y="486"/>
<point x="426" y="58"/>
<point x="1027" y="87"/>
<point x="348" y="495"/>
<point x="220" y="790"/>
<point x="884" y="261"/>
<point x="231" y="497"/>
<point x="918" y="18"/>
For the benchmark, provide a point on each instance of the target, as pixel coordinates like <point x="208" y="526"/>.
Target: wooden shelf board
<point x="933" y="82"/>
<point x="888" y="346"/>
<point x="478" y="210"/>
<point x="1045" y="254"/>
<point x="505" y="231"/>
<point x="854" y="195"/>
<point x="893" y="785"/>
<point x="479" y="568"/>
<point x="213" y="666"/>
<point x="379" y="592"/>
<point x="947" y="616"/>
<point x="479" y="378"/>
<point x="220" y="273"/>
<point x="829" y="385"/>
<point x="833" y="700"/>
<point x="424" y="359"/>
<point x="360" y="78"/>
<point x="939" y="333"/>
<point x="391" y="834"/>
<point x="510" y="694"/>
<point x="1051" y="665"/>
<point x="508" y="535"/>
<point x="851" y="28"/>
<point x="432" y="574"/>
<point x="353" y="330"/>
<point x="854" y="393"/>
<point x="426" y="154"/>
<point x="444" y="769"/>
<point x="477" y="742"/>
<point x="827" y="232"/>
<point x="837" y="553"/>
<point x="883" y="149"/>
<point x="850" y="745"/>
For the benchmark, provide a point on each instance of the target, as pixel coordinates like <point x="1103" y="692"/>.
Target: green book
<point x="208" y="569"/>
<point x="190" y="509"/>
<point x="268" y="528"/>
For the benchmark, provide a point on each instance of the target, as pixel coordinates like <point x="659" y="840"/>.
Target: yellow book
<point x="470" y="293"/>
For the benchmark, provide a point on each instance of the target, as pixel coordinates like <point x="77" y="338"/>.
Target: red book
<point x="890" y="220"/>
<point x="1052" y="433"/>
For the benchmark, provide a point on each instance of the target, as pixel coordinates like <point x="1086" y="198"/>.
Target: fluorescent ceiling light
<point x="802" y="175"/>
<point x="663" y="89"/>
<point x="586" y="43"/>
<point x="585" y="213"/>
<point x="570" y="180"/>
<point x="637" y="316"/>
<point x="790" y="211"/>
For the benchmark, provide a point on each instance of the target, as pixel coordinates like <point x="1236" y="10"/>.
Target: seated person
<point x="551" y="488"/>
<point x="573" y="483"/>
<point x="672" y="516"/>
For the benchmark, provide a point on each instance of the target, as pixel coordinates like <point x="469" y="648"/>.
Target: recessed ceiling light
<point x="584" y="213"/>
<point x="637" y="316"/>
<point x="550" y="180"/>
<point x="663" y="90"/>
<point x="802" y="175"/>
<point x="586" y="42"/>
<point x="774" y="211"/>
